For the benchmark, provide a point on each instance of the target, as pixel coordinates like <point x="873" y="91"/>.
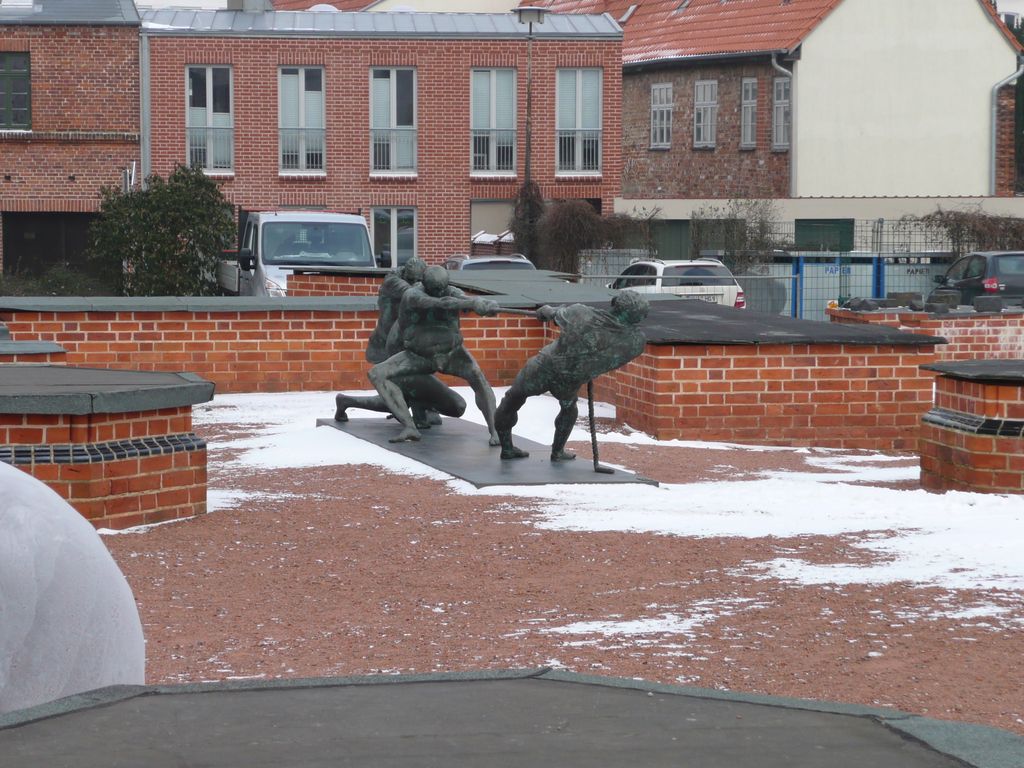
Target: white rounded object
<point x="68" y="620"/>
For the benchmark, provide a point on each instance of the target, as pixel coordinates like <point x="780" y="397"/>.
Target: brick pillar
<point x="973" y="439"/>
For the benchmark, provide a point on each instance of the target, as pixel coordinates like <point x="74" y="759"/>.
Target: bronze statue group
<point x="418" y="335"/>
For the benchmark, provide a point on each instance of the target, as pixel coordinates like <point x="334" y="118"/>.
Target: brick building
<point x="69" y="121"/>
<point x="838" y="110"/>
<point x="416" y="120"/>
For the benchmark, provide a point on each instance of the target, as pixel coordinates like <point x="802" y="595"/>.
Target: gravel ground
<point x="350" y="570"/>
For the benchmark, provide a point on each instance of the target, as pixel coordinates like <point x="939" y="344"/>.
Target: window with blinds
<point x="301" y="119"/>
<point x="661" y="116"/>
<point x="393" y="120"/>
<point x="748" y="113"/>
<point x="781" y="114"/>
<point x="209" y="121"/>
<point x="578" y="120"/>
<point x="15" y="92"/>
<point x="493" y="121"/>
<point x="705" y="113"/>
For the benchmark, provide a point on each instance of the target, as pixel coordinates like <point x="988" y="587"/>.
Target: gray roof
<point x="384" y="24"/>
<point x="86" y="12"/>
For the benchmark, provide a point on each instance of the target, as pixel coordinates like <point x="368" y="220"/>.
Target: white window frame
<point x="209" y="169"/>
<point x="393" y="213"/>
<point x="410" y="167"/>
<point x="579" y="140"/>
<point x="304" y="137"/>
<point x="705" y="113"/>
<point x="748" y="113"/>
<point x="782" y="114"/>
<point x="492" y="168"/>
<point x="661" y="115"/>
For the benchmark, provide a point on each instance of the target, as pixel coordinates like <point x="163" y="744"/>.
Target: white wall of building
<point x="788" y="209"/>
<point x="894" y="99"/>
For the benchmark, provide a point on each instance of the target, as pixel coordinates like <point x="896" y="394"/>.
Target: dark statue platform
<point x="460" y="448"/>
<point x="541" y="717"/>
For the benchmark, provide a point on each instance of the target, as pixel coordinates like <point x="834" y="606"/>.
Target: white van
<point x="276" y="242"/>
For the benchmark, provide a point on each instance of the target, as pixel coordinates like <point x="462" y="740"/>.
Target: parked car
<point x="983" y="273"/>
<point x="503" y="261"/>
<point x="706" y="279"/>
<point x="277" y="242"/>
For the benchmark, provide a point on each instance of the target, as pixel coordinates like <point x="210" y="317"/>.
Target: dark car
<point x="983" y="273"/>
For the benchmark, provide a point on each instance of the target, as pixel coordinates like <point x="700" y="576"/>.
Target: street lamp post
<point x="529" y="15"/>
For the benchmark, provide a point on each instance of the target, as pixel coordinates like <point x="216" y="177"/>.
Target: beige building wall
<point x="894" y="98"/>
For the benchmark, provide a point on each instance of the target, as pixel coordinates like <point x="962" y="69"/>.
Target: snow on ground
<point x="953" y="541"/>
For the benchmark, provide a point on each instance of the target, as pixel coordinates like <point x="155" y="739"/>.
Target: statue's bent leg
<point x="564" y="422"/>
<point x="463" y="365"/>
<point x="434" y="397"/>
<point x="343" y="402"/>
<point x="505" y="418"/>
<point x="383" y="376"/>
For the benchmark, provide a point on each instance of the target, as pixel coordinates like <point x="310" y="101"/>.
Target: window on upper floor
<point x="661" y="116"/>
<point x="493" y="116"/>
<point x="748" y="113"/>
<point x="301" y="119"/>
<point x="209" y="121"/>
<point x="393" y="120"/>
<point x="782" y="114"/>
<point x="578" y="121"/>
<point x="15" y="92"/>
<point x="705" y="113"/>
<point x="394" y="235"/>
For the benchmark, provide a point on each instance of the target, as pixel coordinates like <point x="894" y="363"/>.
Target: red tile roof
<point x="666" y="29"/>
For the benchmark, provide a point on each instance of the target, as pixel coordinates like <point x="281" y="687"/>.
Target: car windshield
<point x="497" y="265"/>
<point x="321" y="243"/>
<point x="697" y="274"/>
<point x="1009" y="265"/>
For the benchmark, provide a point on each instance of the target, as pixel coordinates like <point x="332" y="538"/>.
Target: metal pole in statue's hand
<point x="598" y="467"/>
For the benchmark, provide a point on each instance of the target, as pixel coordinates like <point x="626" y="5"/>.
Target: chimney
<point x="250" y="6"/>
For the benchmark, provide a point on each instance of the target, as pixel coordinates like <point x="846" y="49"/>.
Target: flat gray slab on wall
<point x="72" y="390"/>
<point x="460" y="448"/>
<point x="981" y="370"/>
<point x="687" y="321"/>
<point x="496" y="718"/>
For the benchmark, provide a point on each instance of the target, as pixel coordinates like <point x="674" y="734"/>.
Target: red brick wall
<point x="120" y="494"/>
<point x="952" y="459"/>
<point x="85" y="116"/>
<point x="993" y="400"/>
<point x="684" y="172"/>
<point x="993" y="336"/>
<point x="270" y="351"/>
<point x="115" y="493"/>
<point x="333" y="285"/>
<point x="339" y="285"/>
<point x="825" y="395"/>
<point x="837" y="396"/>
<point x="49" y="358"/>
<point x="38" y="428"/>
<point x="443" y="188"/>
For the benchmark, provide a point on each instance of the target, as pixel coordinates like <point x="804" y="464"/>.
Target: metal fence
<point x="886" y="257"/>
